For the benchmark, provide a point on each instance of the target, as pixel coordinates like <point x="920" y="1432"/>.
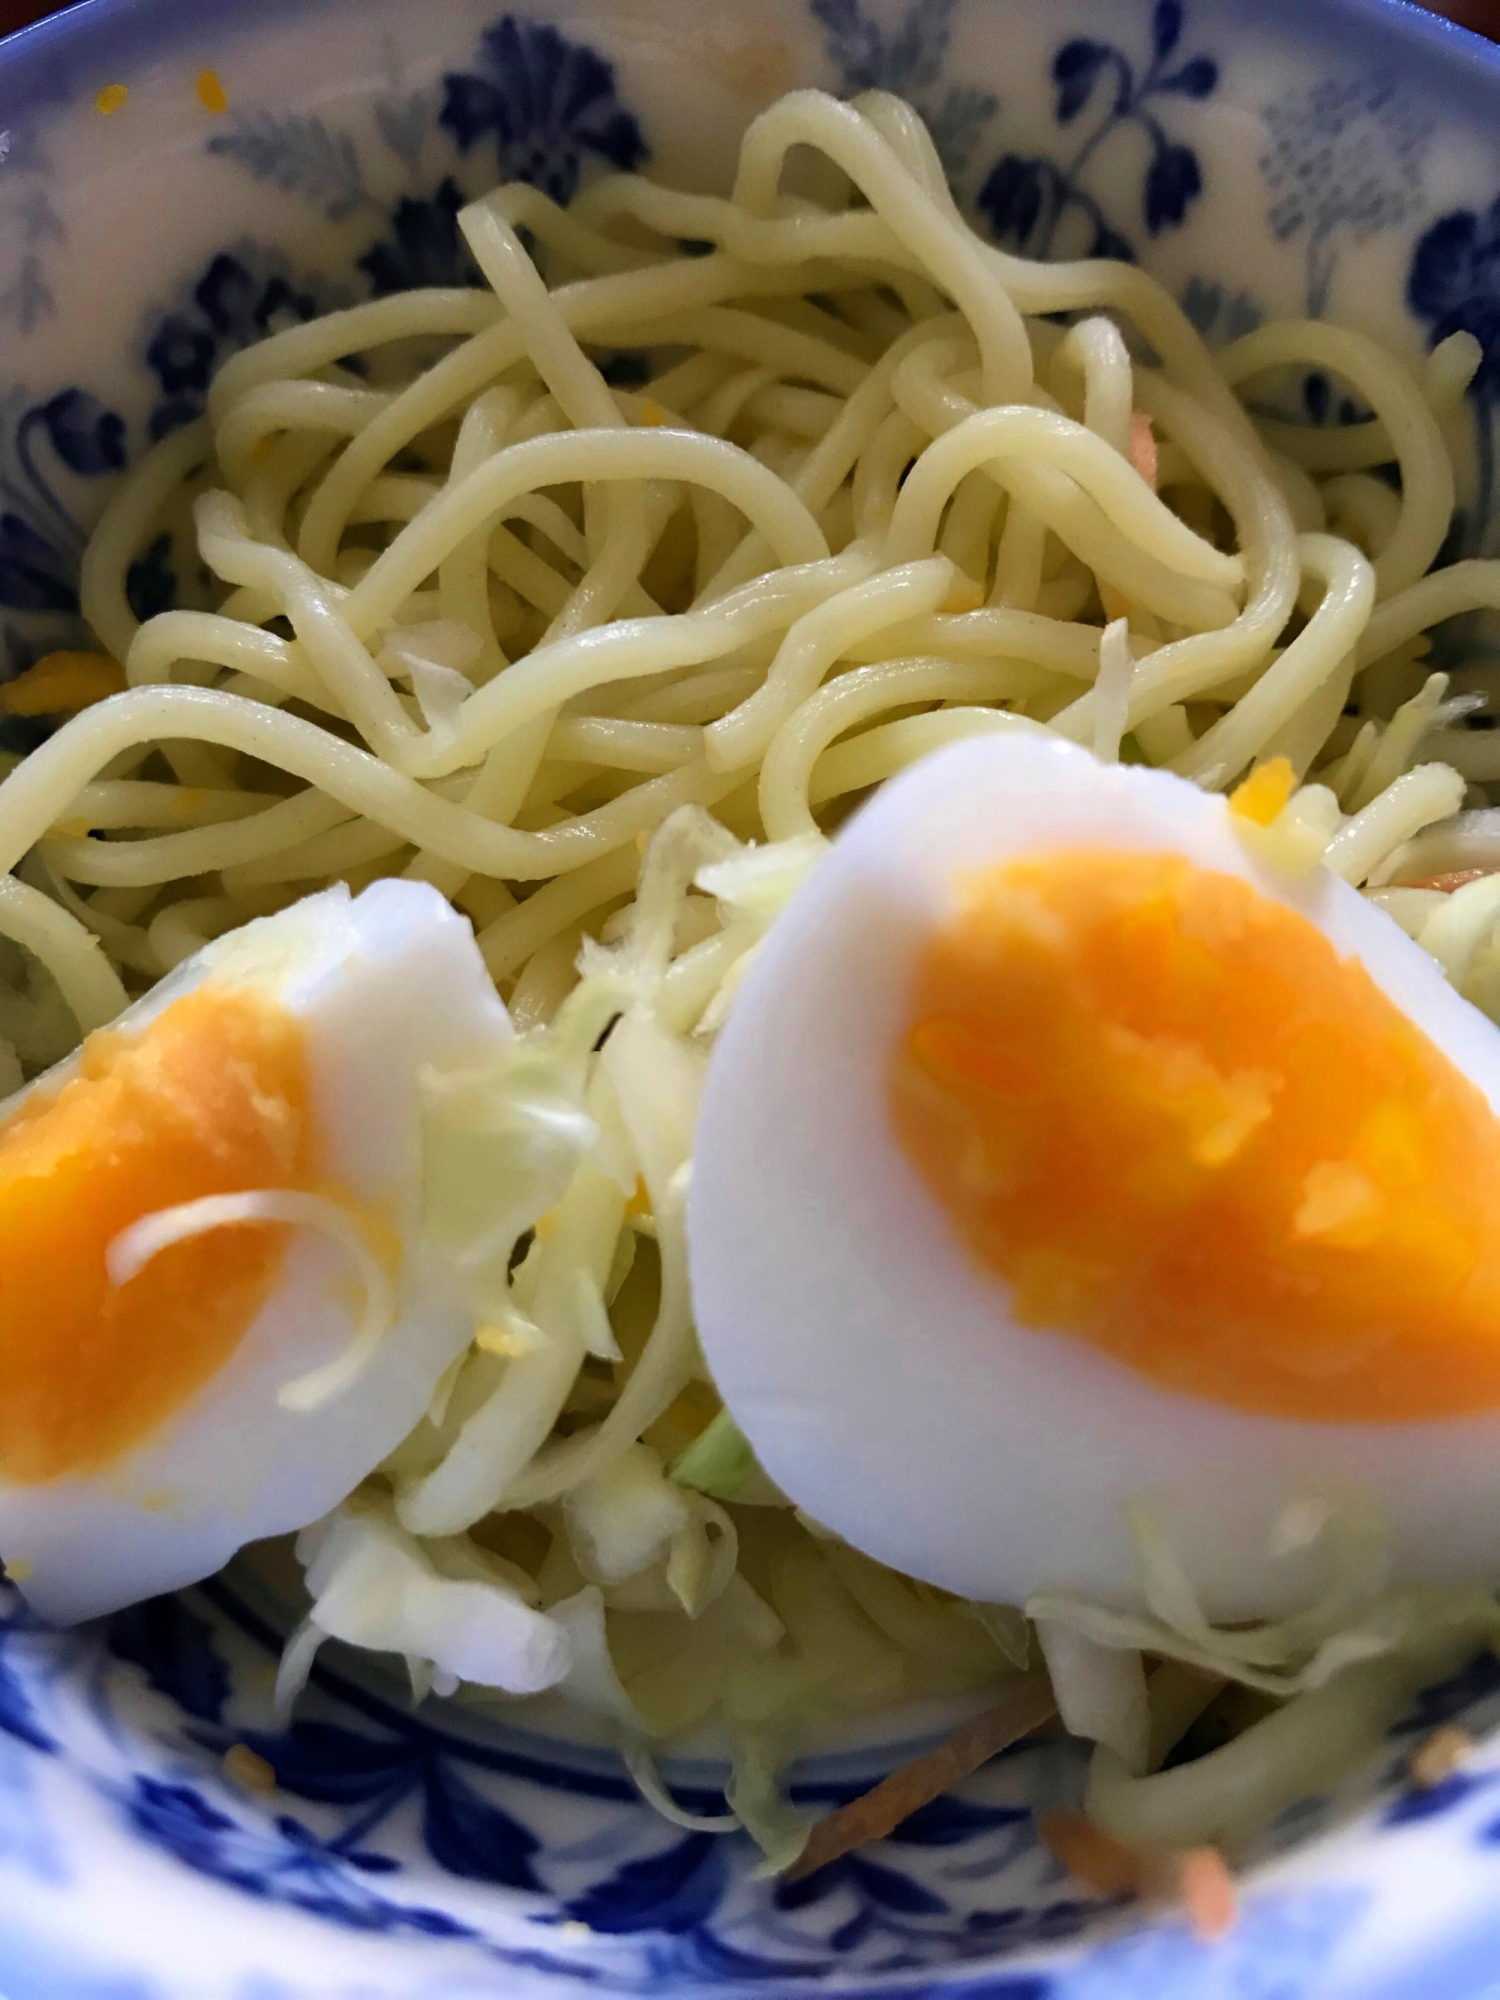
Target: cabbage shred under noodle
<point x="607" y="666"/>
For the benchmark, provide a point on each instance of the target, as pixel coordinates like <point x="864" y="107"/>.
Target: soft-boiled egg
<point x="170" y="1390"/>
<point x="1062" y="1165"/>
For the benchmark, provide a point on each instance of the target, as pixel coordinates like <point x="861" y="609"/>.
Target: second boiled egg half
<point x="1062" y="1165"/>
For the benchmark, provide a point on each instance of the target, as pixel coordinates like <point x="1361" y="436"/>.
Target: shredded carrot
<point x="1198" y="1879"/>
<point x="1206" y="1889"/>
<point x="1143" y="447"/>
<point x="211" y="93"/>
<point x="1439" y="1756"/>
<point x="111" y="98"/>
<point x="1088" y="1852"/>
<point x="1024" y="1706"/>
<point x="61" y="684"/>
<point x="1449" y="880"/>
<point x="251" y="1772"/>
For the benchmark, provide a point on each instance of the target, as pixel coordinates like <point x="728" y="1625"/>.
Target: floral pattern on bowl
<point x="1270" y="164"/>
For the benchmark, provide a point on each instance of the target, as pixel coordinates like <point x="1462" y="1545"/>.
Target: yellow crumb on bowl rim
<point x="211" y="92"/>
<point x="110" y="98"/>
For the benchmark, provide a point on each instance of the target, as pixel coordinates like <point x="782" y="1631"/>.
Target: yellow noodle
<point x="1388" y="387"/>
<point x="885" y="368"/>
<point x="787" y="769"/>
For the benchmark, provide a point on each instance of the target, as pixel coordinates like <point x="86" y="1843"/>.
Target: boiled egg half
<point x="1062" y="1165"/>
<point x="218" y="1311"/>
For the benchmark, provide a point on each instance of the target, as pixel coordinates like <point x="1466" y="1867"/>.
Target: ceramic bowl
<point x="177" y="179"/>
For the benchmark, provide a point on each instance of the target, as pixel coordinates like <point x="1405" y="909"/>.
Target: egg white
<point x="873" y="1362"/>
<point x="382" y="985"/>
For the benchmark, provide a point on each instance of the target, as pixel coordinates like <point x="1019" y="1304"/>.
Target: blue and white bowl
<point x="1263" y="160"/>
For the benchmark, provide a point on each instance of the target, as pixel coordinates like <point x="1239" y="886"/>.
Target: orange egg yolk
<point x="210" y="1098"/>
<point x="1164" y="1110"/>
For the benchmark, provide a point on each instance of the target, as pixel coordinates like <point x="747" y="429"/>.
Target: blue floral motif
<point x="425" y="246"/>
<point x="34" y="576"/>
<point x="999" y="1986"/>
<point x="404" y="124"/>
<point x="545" y="103"/>
<point x="464" y="1832"/>
<point x="28" y="224"/>
<point x="240" y="296"/>
<point x="1478" y="1682"/>
<point x="395" y="1818"/>
<point x="875" y="1903"/>
<point x="175" y="1650"/>
<point x="151" y="581"/>
<point x="86" y="436"/>
<point x="1028" y="199"/>
<point x="908" y="60"/>
<point x="1323" y="405"/>
<point x="1344" y="159"/>
<point x="300" y="155"/>
<point x="677" y="1909"/>
<point x="18" y="1716"/>
<point x="283" y="1864"/>
<point x="1453" y="284"/>
<point x="1219" y="314"/>
<point x="44" y="446"/>
<point x="675" y="1890"/>
<point x="1416" y="1803"/>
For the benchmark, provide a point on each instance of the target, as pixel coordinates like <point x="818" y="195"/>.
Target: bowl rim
<point x="136" y="29"/>
<point x="59" y="59"/>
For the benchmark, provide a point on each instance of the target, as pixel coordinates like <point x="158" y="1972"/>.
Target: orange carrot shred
<point x="1439" y="1756"/>
<point x="1449" y="880"/>
<point x="1207" y="1890"/>
<point x="1024" y="1706"/>
<point x="1143" y="447"/>
<point x="250" y="1771"/>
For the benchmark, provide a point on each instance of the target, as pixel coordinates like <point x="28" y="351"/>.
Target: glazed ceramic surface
<point x="270" y="159"/>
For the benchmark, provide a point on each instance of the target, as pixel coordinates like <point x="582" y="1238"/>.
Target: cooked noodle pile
<point x="606" y="664"/>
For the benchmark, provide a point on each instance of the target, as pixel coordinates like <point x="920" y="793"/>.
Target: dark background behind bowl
<point x="1482" y="15"/>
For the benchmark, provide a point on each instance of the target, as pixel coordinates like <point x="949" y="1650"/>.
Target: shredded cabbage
<point x="577" y="1512"/>
<point x="720" y="1460"/>
<point x="372" y="1585"/>
<point x="1100" y="1689"/>
<point x="1344" y="1666"/>
<point x="135" y="1247"/>
<point x="1229" y="1795"/>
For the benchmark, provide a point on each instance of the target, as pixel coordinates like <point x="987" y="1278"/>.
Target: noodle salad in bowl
<point x="761" y="1015"/>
